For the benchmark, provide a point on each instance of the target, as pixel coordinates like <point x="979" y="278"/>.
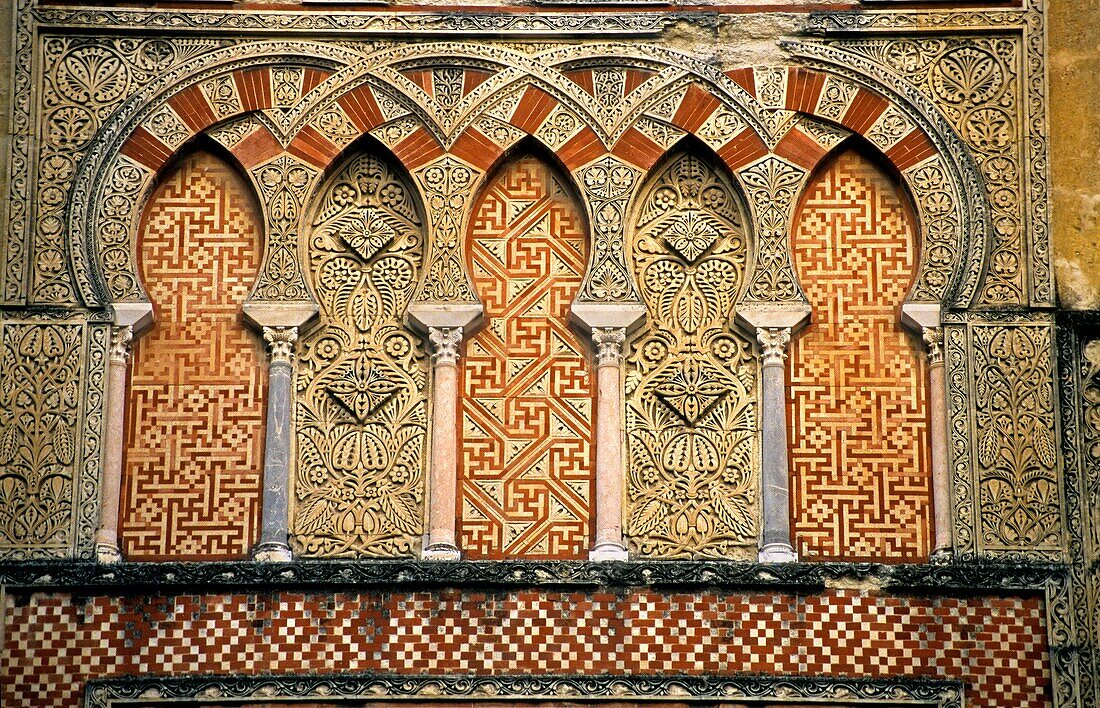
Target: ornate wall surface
<point x="540" y="353"/>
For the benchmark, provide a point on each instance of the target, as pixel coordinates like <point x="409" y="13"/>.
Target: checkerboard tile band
<point x="55" y="642"/>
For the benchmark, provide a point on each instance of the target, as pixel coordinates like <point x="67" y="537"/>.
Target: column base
<point x="604" y="552"/>
<point x="107" y="553"/>
<point x="441" y="552"/>
<point x="272" y="553"/>
<point x="941" y="556"/>
<point x="778" y="553"/>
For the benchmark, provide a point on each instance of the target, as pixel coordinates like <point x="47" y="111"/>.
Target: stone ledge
<point x="120" y="578"/>
<point x="558" y="688"/>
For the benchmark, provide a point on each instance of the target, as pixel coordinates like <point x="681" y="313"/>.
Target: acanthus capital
<point x="445" y="342"/>
<point x="280" y="343"/>
<point x="773" y="344"/>
<point x="609" y="345"/>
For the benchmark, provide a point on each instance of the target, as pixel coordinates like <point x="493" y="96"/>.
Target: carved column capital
<point x="445" y="342"/>
<point x="280" y="343"/>
<point x="773" y="344"/>
<point x="933" y="339"/>
<point x="121" y="337"/>
<point x="609" y="345"/>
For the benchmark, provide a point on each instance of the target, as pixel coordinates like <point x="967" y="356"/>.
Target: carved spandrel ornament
<point x="691" y="418"/>
<point x="361" y="406"/>
<point x="976" y="84"/>
<point x="607" y="186"/>
<point x="84" y="82"/>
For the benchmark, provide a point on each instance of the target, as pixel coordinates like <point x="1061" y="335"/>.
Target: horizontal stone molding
<point x="124" y="577"/>
<point x="101" y="693"/>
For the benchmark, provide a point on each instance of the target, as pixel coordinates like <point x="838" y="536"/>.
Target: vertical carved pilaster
<point x="107" y="545"/>
<point x="441" y="543"/>
<point x="776" y="541"/>
<point x="941" y="484"/>
<point x="272" y="546"/>
<point x="609" y="453"/>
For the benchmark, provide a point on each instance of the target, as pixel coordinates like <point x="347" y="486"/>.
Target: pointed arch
<point x="194" y="445"/>
<point x="858" y="404"/>
<point x="691" y="412"/>
<point x="526" y="409"/>
<point x="361" y="394"/>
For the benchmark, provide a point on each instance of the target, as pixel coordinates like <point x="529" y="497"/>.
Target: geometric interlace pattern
<point x="195" y="410"/>
<point x="857" y="403"/>
<point x="526" y="468"/>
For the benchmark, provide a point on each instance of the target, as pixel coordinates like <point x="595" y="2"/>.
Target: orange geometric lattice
<point x="195" y="414"/>
<point x="526" y="475"/>
<point x="858" y="408"/>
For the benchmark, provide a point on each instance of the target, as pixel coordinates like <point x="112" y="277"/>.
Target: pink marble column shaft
<point x="609" y="448"/>
<point x="443" y="476"/>
<point x="106" y="539"/>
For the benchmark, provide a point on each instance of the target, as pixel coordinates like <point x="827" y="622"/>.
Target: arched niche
<point x="357" y="489"/>
<point x="858" y="403"/>
<point x="691" y="378"/>
<point x="525" y="485"/>
<point x="193" y="450"/>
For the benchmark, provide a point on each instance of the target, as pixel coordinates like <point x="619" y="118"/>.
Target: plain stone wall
<point x="1074" y="46"/>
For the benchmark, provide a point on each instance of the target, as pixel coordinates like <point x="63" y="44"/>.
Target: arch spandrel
<point x="713" y="106"/>
<point x="361" y="395"/>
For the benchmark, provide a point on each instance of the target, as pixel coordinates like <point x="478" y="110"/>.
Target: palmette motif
<point x="361" y="405"/>
<point x="690" y="384"/>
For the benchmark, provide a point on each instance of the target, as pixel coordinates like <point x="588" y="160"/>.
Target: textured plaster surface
<point x="1074" y="43"/>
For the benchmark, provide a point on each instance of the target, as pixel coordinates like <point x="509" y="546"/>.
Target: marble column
<point x="775" y="473"/>
<point x="106" y="539"/>
<point x="275" y="515"/>
<point x="941" y="483"/>
<point x="609" y="446"/>
<point x="443" y="476"/>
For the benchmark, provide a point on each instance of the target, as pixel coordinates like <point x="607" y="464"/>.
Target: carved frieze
<point x="361" y="406"/>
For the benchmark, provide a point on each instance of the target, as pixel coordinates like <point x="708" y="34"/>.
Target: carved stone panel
<point x="526" y="467"/>
<point x="691" y="414"/>
<point x="1016" y="482"/>
<point x="858" y="401"/>
<point x="49" y="437"/>
<point x="361" y="405"/>
<point x="196" y="408"/>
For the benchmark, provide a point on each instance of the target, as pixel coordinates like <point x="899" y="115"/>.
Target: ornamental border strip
<point x="527" y="24"/>
<point x="104" y="693"/>
<point x="107" y="579"/>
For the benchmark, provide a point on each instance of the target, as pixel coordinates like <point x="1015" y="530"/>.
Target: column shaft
<point x="443" y="477"/>
<point x="775" y="493"/>
<point x="275" y="514"/>
<point x="941" y="484"/>
<point x="107" y="543"/>
<point x="609" y="449"/>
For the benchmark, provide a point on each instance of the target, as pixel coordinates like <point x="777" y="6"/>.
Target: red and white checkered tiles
<point x="998" y="646"/>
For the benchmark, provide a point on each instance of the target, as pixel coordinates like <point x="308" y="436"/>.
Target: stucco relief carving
<point x="691" y="419"/>
<point x="361" y="406"/>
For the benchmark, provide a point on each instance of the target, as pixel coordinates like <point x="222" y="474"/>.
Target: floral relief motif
<point x="447" y="184"/>
<point x="283" y="183"/>
<point x="40" y="402"/>
<point x="973" y="84"/>
<point x="772" y="185"/>
<point x="607" y="185"/>
<point x="691" y="380"/>
<point x="1015" y="441"/>
<point x="361" y="408"/>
